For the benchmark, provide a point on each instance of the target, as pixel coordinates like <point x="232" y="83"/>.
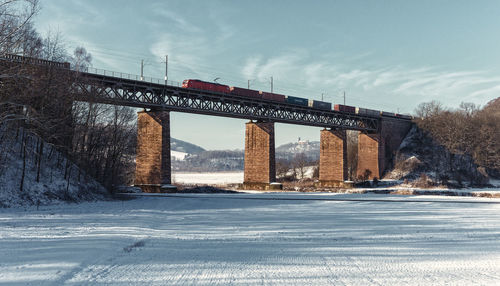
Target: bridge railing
<point x="66" y="65"/>
<point x="34" y="61"/>
<point x="130" y="76"/>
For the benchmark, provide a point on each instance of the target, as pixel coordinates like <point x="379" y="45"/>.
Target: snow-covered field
<point x="176" y="155"/>
<point x="216" y="178"/>
<point x="254" y="239"/>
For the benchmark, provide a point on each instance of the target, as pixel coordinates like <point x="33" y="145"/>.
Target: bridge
<point x="379" y="136"/>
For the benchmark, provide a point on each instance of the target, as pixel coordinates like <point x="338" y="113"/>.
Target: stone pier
<point x="152" y="172"/>
<point x="371" y="156"/>
<point x="376" y="151"/>
<point x="333" y="158"/>
<point x="260" y="167"/>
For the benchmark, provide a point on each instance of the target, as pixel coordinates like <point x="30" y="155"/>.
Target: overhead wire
<point x="288" y="87"/>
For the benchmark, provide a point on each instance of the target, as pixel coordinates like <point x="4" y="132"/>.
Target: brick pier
<point x="260" y="167"/>
<point x="333" y="158"/>
<point x="153" y="151"/>
<point x="371" y="155"/>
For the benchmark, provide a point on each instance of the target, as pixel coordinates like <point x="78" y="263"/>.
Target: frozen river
<point x="255" y="239"/>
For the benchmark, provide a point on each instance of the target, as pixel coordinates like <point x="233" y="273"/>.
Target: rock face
<point x="420" y="155"/>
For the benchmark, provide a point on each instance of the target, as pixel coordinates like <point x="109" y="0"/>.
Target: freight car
<point x="320" y="104"/>
<point x="272" y="96"/>
<point x="387" y="114"/>
<point x="245" y="92"/>
<point x="296" y="100"/>
<point x="203" y="85"/>
<point x="405" y="116"/>
<point x="365" y="111"/>
<point x="345" y="108"/>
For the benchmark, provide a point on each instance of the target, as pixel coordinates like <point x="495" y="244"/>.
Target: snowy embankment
<point x="228" y="178"/>
<point x="49" y="177"/>
<point x="395" y="188"/>
<point x="218" y="178"/>
<point x="254" y="239"/>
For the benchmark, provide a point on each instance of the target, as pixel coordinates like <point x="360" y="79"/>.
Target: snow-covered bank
<point x="48" y="178"/>
<point x="217" y="178"/>
<point x="228" y="178"/>
<point x="254" y="239"/>
<point x="467" y="192"/>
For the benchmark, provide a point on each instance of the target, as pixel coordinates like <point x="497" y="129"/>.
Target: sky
<point x="385" y="55"/>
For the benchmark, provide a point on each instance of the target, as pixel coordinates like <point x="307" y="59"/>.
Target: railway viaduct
<point x="379" y="137"/>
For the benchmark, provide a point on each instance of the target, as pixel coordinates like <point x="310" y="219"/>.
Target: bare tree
<point x="282" y="168"/>
<point x="299" y="164"/>
<point x="15" y="24"/>
<point x="352" y="154"/>
<point x="466" y="131"/>
<point x="81" y="59"/>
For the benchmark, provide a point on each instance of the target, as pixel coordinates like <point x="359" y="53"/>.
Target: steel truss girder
<point x="117" y="91"/>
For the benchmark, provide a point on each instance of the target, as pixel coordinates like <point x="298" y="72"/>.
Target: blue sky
<point x="388" y="55"/>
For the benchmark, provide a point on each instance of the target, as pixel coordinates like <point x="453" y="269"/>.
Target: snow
<point x="53" y="186"/>
<point x="254" y="239"/>
<point x="176" y="155"/>
<point x="215" y="178"/>
<point x="495" y="183"/>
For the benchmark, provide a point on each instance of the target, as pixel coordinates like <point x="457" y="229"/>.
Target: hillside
<point x="289" y="150"/>
<point x="420" y="157"/>
<point x="49" y="177"/>
<point x="232" y="160"/>
<point x="184" y="147"/>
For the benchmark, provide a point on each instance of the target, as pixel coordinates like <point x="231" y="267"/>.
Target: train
<point x="316" y="104"/>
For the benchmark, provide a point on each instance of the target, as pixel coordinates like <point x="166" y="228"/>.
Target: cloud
<point x="186" y="52"/>
<point x="175" y="19"/>
<point x="385" y="87"/>
<point x="71" y="15"/>
<point x="250" y="68"/>
<point x="191" y="47"/>
<point x="485" y="93"/>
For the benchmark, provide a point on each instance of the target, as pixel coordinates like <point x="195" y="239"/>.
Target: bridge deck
<point x="136" y="93"/>
<point x="133" y="92"/>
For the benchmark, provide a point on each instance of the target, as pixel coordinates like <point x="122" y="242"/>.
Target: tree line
<point x="37" y="102"/>
<point x="467" y="130"/>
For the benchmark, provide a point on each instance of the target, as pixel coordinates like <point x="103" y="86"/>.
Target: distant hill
<point x="210" y="161"/>
<point x="200" y="160"/>
<point x="185" y="147"/>
<point x="289" y="150"/>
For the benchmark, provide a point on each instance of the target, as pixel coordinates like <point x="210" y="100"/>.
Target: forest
<point x="467" y="130"/>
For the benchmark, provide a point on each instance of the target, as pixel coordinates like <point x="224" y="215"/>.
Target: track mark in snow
<point x="332" y="278"/>
<point x="137" y="244"/>
<point x="96" y="269"/>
